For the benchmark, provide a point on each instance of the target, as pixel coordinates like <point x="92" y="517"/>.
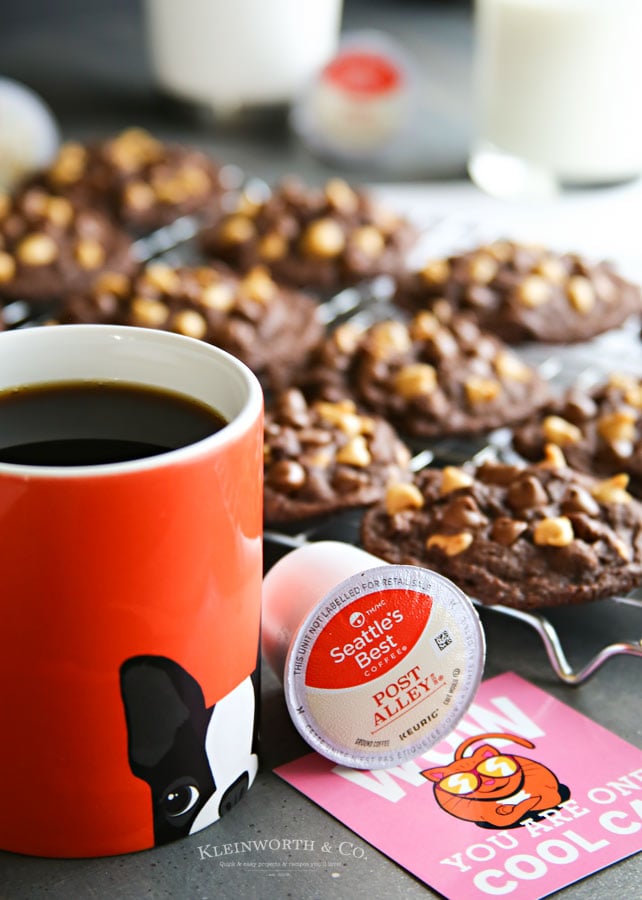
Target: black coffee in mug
<point x="88" y="423"/>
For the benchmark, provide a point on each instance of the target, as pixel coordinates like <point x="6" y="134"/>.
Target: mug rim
<point x="238" y="425"/>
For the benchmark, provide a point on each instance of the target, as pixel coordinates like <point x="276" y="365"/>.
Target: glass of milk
<point x="231" y="54"/>
<point x="557" y="94"/>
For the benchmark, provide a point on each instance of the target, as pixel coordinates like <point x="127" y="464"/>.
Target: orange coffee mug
<point x="129" y="606"/>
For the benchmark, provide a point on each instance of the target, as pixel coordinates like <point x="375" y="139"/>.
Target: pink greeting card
<point x="525" y="797"/>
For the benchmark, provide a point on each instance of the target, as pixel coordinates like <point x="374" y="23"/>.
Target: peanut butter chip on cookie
<point x="323" y="238"/>
<point x="633" y="395"/>
<point x="554" y="532"/>
<point x="483" y="268"/>
<point x="347" y="337"/>
<point x="112" y="283"/>
<point x="59" y="211"/>
<point x="138" y="195"/>
<point x="148" y="312"/>
<point x="454" y="478"/>
<point x="37" y="249"/>
<point x="218" y="296"/>
<point x="162" y="277"/>
<point x="403" y="496"/>
<point x="551" y="269"/>
<point x="272" y="246"/>
<point x="368" y="240"/>
<point x="482" y="390"/>
<point x="553" y="457"/>
<point x="341" y="196"/>
<point x="508" y="366"/>
<point x="613" y="490"/>
<point x="451" y="544"/>
<point x="69" y="165"/>
<point x="258" y="285"/>
<point x="386" y="339"/>
<point x="415" y="380"/>
<point x="424" y="326"/>
<point x="355" y="452"/>
<point x="7" y="267"/>
<point x="618" y="426"/>
<point x="90" y="253"/>
<point x="190" y="323"/>
<point x="436" y="271"/>
<point x="580" y="293"/>
<point x="534" y="291"/>
<point x="236" y="229"/>
<point x="558" y="431"/>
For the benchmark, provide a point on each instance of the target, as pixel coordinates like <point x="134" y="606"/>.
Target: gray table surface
<point x="87" y="59"/>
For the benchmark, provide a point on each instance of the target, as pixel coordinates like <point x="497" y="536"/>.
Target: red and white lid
<point x="384" y="665"/>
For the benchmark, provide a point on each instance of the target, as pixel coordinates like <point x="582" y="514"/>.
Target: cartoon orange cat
<point x="495" y="789"/>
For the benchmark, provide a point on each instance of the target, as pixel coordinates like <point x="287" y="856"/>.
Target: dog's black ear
<point x="159" y="697"/>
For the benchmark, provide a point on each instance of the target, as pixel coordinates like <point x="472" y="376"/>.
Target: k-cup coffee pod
<point x="379" y="662"/>
<point x="29" y="135"/>
<point x="362" y="104"/>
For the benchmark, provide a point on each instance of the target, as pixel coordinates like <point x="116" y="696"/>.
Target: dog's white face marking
<point x="228" y="745"/>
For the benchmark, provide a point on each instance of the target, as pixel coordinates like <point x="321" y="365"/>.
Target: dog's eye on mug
<point x="179" y="799"/>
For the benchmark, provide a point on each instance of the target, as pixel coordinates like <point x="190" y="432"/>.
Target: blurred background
<point x="90" y="61"/>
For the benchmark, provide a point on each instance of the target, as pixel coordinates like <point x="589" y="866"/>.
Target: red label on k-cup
<point x="368" y="638"/>
<point x="360" y="72"/>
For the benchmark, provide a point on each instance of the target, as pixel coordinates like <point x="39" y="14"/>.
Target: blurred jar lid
<point x="363" y="103"/>
<point x="29" y="135"/>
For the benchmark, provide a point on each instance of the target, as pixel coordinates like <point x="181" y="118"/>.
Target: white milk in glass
<point x="227" y="54"/>
<point x="557" y="87"/>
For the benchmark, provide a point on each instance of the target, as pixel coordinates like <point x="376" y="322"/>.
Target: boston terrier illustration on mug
<point x="198" y="761"/>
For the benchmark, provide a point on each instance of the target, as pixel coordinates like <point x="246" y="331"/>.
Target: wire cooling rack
<point x="585" y="364"/>
<point x="582" y="364"/>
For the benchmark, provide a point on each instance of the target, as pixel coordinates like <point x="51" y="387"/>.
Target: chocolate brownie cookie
<point x="140" y="181"/>
<point x="323" y="457"/>
<point x="269" y="327"/>
<point x="599" y="430"/>
<point x="526" y="293"/>
<point x="520" y="536"/>
<point x="437" y="375"/>
<point x="315" y="238"/>
<point x="49" y="247"/>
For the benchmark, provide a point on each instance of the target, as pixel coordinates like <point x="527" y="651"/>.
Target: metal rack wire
<point x="557" y="657"/>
